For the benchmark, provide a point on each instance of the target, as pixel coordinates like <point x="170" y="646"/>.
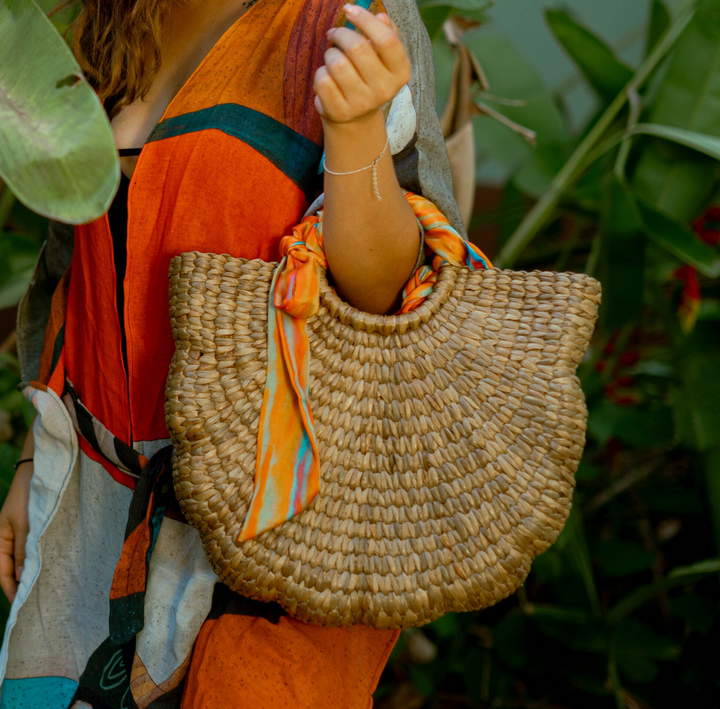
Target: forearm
<point x="371" y="245"/>
<point x="28" y="448"/>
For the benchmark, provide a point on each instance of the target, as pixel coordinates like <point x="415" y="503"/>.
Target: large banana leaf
<point x="659" y="22"/>
<point x="57" y="152"/>
<point x="598" y="63"/>
<point x="679" y="181"/>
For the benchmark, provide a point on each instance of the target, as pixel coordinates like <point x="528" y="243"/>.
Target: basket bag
<point x="448" y="437"/>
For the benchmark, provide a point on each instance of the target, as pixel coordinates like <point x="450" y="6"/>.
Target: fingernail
<point x="18" y="572"/>
<point x="350" y="9"/>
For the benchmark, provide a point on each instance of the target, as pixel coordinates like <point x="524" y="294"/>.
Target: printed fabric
<point x="118" y="607"/>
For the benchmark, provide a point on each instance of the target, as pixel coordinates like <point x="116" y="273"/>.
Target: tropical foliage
<point x="623" y="610"/>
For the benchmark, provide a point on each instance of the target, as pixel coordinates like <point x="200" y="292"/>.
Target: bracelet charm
<point x="372" y="166"/>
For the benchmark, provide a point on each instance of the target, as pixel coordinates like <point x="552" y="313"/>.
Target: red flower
<point x="707" y="227"/>
<point x="689" y="297"/>
<point x="629" y="358"/>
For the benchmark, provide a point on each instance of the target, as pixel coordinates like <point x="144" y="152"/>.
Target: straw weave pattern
<point x="448" y="438"/>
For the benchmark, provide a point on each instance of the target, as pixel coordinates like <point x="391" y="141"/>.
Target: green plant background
<point x="623" y="610"/>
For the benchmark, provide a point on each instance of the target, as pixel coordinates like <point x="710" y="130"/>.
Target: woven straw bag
<point x="448" y="438"/>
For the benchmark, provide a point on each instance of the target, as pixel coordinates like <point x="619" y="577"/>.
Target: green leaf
<point x="703" y="143"/>
<point x="670" y="177"/>
<point x="13" y="289"/>
<point x="57" y="152"/>
<point x="621" y="558"/>
<point x="572" y="544"/>
<point x="698" y="612"/>
<point x="677" y="577"/>
<point x="574" y="629"/>
<point x="679" y="240"/>
<point x="637" y="646"/>
<point x="637" y="668"/>
<point x="433" y="17"/>
<point x="421" y="680"/>
<point x="635" y="426"/>
<point x="659" y="22"/>
<point x="445" y="627"/>
<point x="536" y="174"/>
<point x="435" y="12"/>
<point x="597" y="62"/>
<point x="510" y="640"/>
<point x="622" y="258"/>
<point x="697" y="402"/>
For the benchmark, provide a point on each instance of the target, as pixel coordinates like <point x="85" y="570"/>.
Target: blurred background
<point x="593" y="147"/>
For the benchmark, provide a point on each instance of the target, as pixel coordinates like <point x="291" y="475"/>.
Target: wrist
<point x="24" y="465"/>
<point x="373" y="121"/>
<point x="354" y="145"/>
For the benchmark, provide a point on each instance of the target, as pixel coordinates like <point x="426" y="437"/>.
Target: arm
<point x="14" y="524"/>
<point x="371" y="245"/>
<point x="32" y="317"/>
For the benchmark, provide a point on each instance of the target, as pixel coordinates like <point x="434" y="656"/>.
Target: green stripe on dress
<point x="292" y="153"/>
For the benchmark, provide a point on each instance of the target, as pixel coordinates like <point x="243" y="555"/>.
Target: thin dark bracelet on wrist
<point x="23" y="460"/>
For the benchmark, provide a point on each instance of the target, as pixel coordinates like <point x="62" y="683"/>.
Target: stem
<point x="537" y="217"/>
<point x="613" y="675"/>
<point x="594" y="255"/>
<point x="624" y="152"/>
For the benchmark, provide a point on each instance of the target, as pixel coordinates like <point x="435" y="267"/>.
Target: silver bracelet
<point x="372" y="166"/>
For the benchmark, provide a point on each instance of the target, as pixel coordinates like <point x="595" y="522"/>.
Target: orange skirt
<point x="242" y="661"/>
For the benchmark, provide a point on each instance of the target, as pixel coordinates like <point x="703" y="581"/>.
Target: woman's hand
<point x="361" y="73"/>
<point x="14" y="528"/>
<point x="371" y="244"/>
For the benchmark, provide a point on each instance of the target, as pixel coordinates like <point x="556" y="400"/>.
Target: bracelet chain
<point x="373" y="166"/>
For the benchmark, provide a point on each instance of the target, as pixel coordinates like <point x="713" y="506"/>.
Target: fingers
<point x="20" y="542"/>
<point x="345" y="72"/>
<point x="331" y="99"/>
<point x="361" y="73"/>
<point x="384" y="37"/>
<point x="7" y="561"/>
<point x="359" y="54"/>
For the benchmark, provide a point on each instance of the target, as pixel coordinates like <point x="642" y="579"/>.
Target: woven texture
<point x="448" y="438"/>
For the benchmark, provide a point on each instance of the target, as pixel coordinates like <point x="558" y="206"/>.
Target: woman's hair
<point x="117" y="44"/>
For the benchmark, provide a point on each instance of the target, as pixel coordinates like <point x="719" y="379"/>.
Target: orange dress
<point x="118" y="606"/>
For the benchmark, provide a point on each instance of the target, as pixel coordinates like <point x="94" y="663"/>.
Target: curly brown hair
<point x="118" y="45"/>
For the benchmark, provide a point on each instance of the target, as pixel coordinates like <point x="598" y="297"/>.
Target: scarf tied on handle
<point x="287" y="473"/>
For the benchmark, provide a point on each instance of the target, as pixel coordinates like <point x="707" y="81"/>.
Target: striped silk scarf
<point x="287" y="474"/>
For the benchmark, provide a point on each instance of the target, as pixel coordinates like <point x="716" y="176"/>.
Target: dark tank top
<point x="117" y="218"/>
